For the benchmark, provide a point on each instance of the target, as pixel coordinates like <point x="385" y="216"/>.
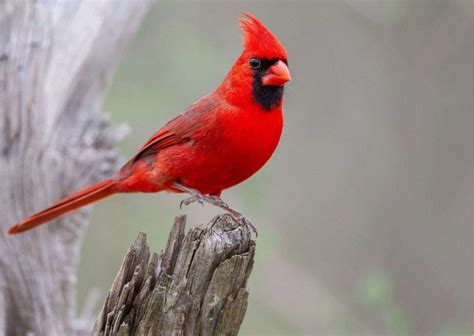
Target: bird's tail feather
<point x="72" y="202"/>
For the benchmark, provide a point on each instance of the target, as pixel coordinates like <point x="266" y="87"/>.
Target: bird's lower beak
<point x="277" y="75"/>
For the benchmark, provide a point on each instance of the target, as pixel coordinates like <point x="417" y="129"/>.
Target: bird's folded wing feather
<point x="185" y="127"/>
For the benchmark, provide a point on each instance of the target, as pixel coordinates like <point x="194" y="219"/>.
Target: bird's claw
<point x="194" y="198"/>
<point x="244" y="221"/>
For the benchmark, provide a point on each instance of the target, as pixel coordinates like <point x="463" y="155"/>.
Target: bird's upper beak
<point x="277" y="75"/>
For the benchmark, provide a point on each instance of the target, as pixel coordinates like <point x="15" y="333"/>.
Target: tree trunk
<point x="56" y="60"/>
<point x="197" y="286"/>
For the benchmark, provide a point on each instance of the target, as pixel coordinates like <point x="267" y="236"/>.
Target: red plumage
<point x="216" y="143"/>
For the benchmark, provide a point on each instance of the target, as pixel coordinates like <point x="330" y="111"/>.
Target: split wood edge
<point x="196" y="286"/>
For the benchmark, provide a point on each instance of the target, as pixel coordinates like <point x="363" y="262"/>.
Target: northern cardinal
<point x="216" y="143"/>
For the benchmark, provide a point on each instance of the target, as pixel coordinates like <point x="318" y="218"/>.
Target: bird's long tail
<point x="72" y="202"/>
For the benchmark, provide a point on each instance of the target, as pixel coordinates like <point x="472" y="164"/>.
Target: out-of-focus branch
<point x="56" y="61"/>
<point x="197" y="286"/>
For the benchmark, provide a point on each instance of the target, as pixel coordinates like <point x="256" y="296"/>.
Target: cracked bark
<point x="56" y="61"/>
<point x="196" y="286"/>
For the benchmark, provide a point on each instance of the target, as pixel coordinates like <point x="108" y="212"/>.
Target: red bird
<point x="216" y="143"/>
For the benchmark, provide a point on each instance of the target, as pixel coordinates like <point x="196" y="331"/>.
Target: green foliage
<point x="377" y="292"/>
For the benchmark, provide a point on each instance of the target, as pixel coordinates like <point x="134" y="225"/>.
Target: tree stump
<point x="196" y="286"/>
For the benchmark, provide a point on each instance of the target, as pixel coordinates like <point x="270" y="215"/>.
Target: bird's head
<point x="262" y="69"/>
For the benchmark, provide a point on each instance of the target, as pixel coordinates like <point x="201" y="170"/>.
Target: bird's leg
<point x="196" y="196"/>
<point x="214" y="200"/>
<point x="238" y="216"/>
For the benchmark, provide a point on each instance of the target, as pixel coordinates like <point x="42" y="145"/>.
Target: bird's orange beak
<point x="277" y="75"/>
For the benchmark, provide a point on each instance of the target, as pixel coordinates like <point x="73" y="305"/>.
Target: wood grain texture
<point x="196" y="286"/>
<point x="56" y="61"/>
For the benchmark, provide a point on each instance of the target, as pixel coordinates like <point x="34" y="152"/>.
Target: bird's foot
<point x="196" y="196"/>
<point x="239" y="217"/>
<point x="242" y="220"/>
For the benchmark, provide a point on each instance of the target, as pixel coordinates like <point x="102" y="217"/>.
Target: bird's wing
<point x="186" y="127"/>
<point x="179" y="130"/>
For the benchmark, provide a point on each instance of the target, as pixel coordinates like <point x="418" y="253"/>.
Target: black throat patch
<point x="267" y="96"/>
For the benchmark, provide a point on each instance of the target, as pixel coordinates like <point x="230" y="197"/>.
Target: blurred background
<point x="365" y="212"/>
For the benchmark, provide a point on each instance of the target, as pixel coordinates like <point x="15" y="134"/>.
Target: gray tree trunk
<point x="56" y="60"/>
<point x="197" y="286"/>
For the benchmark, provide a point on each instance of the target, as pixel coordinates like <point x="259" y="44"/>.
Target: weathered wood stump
<point x="196" y="286"/>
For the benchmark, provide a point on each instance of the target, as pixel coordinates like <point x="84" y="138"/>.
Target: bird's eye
<point x="255" y="63"/>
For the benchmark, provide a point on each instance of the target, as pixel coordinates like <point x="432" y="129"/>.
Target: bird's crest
<point x="259" y="39"/>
